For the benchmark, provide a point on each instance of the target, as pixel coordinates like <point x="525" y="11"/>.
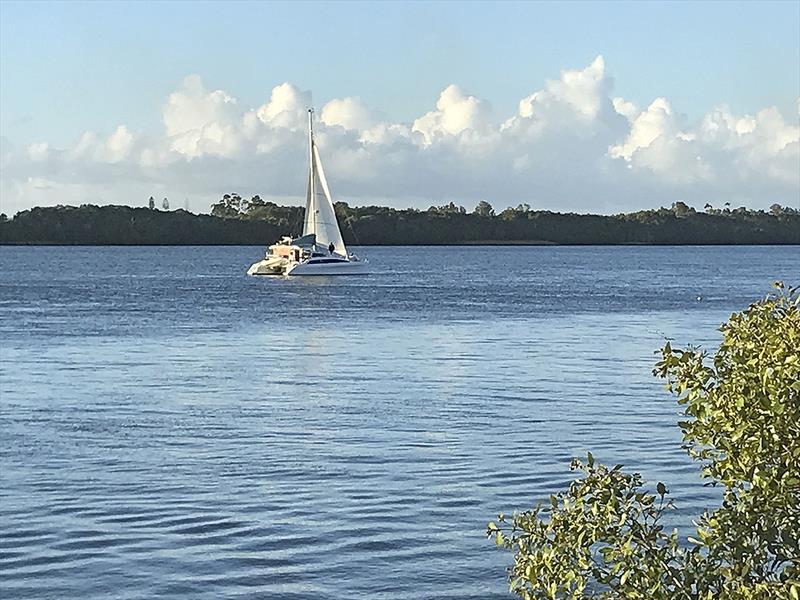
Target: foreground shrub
<point x="603" y="537"/>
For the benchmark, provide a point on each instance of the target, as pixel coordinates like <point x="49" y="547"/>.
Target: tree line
<point x="125" y="225"/>
<point x="237" y="220"/>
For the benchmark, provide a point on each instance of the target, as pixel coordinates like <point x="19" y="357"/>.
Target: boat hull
<point x="345" y="267"/>
<point x="269" y="266"/>
<point x="282" y="266"/>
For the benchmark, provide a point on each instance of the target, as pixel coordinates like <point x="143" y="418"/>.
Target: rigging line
<point x="355" y="235"/>
<point x="350" y="225"/>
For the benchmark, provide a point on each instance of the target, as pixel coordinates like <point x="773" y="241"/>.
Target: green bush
<point x="603" y="537"/>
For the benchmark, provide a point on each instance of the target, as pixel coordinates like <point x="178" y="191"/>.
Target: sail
<point x="320" y="218"/>
<point x="308" y="221"/>
<point x="328" y="231"/>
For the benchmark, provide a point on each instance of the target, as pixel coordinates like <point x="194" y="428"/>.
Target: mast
<point x="312" y="203"/>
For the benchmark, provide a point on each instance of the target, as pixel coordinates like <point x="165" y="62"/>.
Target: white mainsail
<point x="320" y="216"/>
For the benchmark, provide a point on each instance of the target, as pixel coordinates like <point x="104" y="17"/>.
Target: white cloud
<point x="572" y="145"/>
<point x="119" y="144"/>
<point x="286" y="108"/>
<point x="349" y="113"/>
<point x="625" y="108"/>
<point x="455" y="113"/>
<point x="656" y="121"/>
<point x="657" y="142"/>
<point x="386" y="134"/>
<point x="192" y="107"/>
<point x="199" y="122"/>
<point x="39" y="151"/>
<point x="721" y="147"/>
<point x="585" y="92"/>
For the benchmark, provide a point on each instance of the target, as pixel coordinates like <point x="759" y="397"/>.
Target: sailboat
<point x="320" y="250"/>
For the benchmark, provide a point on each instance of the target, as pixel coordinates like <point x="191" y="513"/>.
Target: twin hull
<point x="345" y="267"/>
<point x="287" y="267"/>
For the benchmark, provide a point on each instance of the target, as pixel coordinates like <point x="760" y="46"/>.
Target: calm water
<point x="173" y="428"/>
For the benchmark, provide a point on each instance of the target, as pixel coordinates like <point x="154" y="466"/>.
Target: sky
<point x="586" y="107"/>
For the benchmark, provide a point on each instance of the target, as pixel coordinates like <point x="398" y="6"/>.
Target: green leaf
<point x="739" y="423"/>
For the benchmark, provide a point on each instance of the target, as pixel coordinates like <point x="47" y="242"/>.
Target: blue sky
<point x="70" y="66"/>
<point x="67" y="68"/>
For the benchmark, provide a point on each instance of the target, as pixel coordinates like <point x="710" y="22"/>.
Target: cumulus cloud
<point x="760" y="147"/>
<point x="456" y="112"/>
<point x="286" y="108"/>
<point x="349" y="113"/>
<point x="584" y="92"/>
<point x="198" y="122"/>
<point x="571" y="145"/>
<point x="658" y="143"/>
<point x="656" y="121"/>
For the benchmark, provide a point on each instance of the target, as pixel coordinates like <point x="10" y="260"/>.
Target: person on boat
<point x="331" y="248"/>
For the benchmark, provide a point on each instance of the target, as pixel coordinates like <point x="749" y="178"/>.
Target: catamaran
<point x="320" y="250"/>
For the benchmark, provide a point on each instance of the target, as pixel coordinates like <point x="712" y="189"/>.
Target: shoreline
<point x="483" y="243"/>
<point x="91" y="225"/>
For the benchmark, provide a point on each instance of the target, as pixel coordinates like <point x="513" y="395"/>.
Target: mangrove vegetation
<point x="604" y="537"/>
<point x="236" y="220"/>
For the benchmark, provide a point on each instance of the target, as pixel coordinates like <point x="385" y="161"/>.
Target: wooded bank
<point x="265" y="222"/>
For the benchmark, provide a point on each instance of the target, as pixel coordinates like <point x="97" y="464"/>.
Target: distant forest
<point x="236" y="220"/>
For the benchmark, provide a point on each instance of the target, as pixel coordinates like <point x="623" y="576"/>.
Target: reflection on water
<point x="173" y="428"/>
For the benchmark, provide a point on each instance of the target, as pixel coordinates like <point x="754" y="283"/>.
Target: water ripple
<point x="189" y="432"/>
